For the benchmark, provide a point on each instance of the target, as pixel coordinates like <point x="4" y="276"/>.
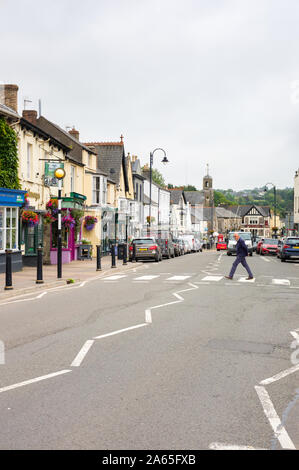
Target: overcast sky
<point x="209" y="81"/>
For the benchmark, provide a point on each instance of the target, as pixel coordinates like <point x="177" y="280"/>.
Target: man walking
<point x="242" y="252"/>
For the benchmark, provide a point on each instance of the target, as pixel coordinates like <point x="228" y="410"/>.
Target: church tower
<point x="208" y="189"/>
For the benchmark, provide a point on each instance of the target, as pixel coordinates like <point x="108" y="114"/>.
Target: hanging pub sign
<point x="49" y="177"/>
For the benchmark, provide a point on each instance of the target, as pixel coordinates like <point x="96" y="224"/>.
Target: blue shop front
<point x="11" y="200"/>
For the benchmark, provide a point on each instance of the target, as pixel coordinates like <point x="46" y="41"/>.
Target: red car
<point x="269" y="246"/>
<point x="258" y="246"/>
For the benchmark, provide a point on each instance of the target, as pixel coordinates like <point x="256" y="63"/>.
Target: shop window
<point x="8" y="228"/>
<point x="64" y="236"/>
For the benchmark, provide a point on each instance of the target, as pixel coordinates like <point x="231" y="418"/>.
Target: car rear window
<point x="292" y="241"/>
<point x="271" y="241"/>
<point x="143" y="241"/>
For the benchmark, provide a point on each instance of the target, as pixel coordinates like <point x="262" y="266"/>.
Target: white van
<point x="231" y="247"/>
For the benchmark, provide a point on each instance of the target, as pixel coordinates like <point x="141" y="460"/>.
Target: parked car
<point x="187" y="244"/>
<point x="289" y="248"/>
<point x="259" y="244"/>
<point x="145" y="248"/>
<point x="189" y="239"/>
<point x="269" y="246"/>
<point x="198" y="244"/>
<point x="167" y="247"/>
<point x="178" y="249"/>
<point x="184" y="246"/>
<point x="231" y="248"/>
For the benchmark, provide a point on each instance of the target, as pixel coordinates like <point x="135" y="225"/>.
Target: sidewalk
<point x="24" y="281"/>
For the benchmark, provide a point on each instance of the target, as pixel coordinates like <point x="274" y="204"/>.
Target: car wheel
<point x="282" y="259"/>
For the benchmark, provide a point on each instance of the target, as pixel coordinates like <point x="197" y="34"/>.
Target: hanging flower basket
<point x="89" y="222"/>
<point x="48" y="218"/>
<point x="68" y="222"/>
<point x="52" y="206"/>
<point x="29" y="218"/>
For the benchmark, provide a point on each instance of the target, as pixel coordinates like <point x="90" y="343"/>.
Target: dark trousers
<point x="238" y="260"/>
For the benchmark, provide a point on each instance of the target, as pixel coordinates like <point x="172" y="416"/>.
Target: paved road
<point x="192" y="362"/>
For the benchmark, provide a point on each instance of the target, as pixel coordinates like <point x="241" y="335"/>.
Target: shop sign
<point x="12" y="197"/>
<point x="49" y="178"/>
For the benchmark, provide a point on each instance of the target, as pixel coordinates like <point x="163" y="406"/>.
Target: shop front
<point x="72" y="216"/>
<point x="11" y="200"/>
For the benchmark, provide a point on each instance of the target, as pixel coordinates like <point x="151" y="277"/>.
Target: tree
<point x="157" y="177"/>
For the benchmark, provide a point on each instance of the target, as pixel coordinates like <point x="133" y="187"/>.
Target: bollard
<point x="125" y="253"/>
<point x="99" y="254"/>
<point x="39" y="266"/>
<point x="113" y="265"/>
<point x="8" y="272"/>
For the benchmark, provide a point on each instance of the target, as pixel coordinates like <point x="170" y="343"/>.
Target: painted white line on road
<point x="146" y="278"/>
<point x="265" y="259"/>
<point x="280" y="375"/>
<point x="295" y="335"/>
<point x="212" y="278"/>
<point x="31" y="381"/>
<point x="178" y="296"/>
<point x="221" y="446"/>
<point x="177" y="278"/>
<point x="82" y="353"/>
<point x="148" y="316"/>
<point x="202" y="283"/>
<point x="117" y="332"/>
<point x="270" y="412"/>
<point x="244" y="279"/>
<point x="25" y="300"/>
<point x="282" y="282"/>
<point x="115" y="277"/>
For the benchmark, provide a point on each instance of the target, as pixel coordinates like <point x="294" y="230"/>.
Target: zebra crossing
<point x="204" y="279"/>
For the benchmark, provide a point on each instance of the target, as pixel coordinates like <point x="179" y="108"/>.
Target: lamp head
<point x="164" y="161"/>
<point x="59" y="173"/>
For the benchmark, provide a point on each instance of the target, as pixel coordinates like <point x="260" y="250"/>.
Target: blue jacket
<point x="241" y="248"/>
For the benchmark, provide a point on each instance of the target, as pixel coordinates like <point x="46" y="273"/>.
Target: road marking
<point x="270" y="412"/>
<point x="31" y="381"/>
<point x="265" y="259"/>
<point x="25" y="300"/>
<point x="177" y="278"/>
<point x="244" y="279"/>
<point x="114" y="278"/>
<point x="82" y="353"/>
<point x="280" y="375"/>
<point x="117" y="332"/>
<point x="212" y="278"/>
<point x="221" y="446"/>
<point x="146" y="278"/>
<point x="148" y="316"/>
<point x="283" y="282"/>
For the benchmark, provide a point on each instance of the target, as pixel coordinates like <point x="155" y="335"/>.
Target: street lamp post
<point x="275" y="207"/>
<point x="59" y="174"/>
<point x="151" y="169"/>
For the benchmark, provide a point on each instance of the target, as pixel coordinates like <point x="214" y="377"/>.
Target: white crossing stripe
<point x="282" y="282"/>
<point x="115" y="278"/>
<point x="244" y="279"/>
<point x="145" y="278"/>
<point x="212" y="278"/>
<point x="177" y="278"/>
